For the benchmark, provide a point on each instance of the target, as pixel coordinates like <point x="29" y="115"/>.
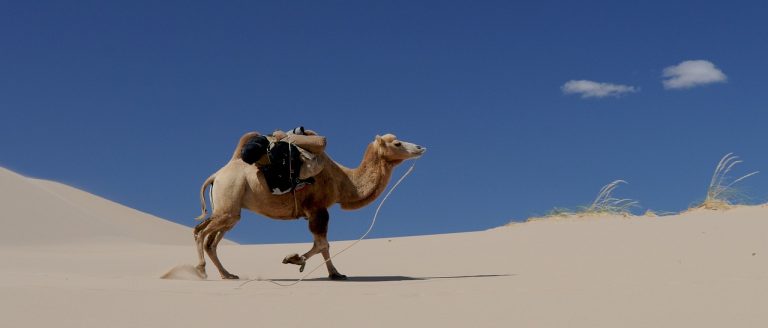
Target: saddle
<point x="285" y="164"/>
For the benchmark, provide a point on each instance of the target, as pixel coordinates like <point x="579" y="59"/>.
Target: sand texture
<point x="73" y="259"/>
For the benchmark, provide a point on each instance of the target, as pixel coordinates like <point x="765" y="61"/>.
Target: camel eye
<point x="398" y="144"/>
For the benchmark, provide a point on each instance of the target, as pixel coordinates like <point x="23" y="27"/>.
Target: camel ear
<point x="380" y="141"/>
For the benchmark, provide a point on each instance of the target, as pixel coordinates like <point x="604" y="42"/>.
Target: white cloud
<point x="691" y="73"/>
<point x="592" y="89"/>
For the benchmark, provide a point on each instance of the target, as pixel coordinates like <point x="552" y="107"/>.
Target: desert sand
<point x="73" y="259"/>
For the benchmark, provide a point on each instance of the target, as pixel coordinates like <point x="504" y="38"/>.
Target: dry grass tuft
<point x="604" y="204"/>
<point x="720" y="194"/>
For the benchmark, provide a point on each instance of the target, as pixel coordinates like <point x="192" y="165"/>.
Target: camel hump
<point x="309" y="141"/>
<point x="243" y="141"/>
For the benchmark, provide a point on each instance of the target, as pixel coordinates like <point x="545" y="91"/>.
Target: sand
<point x="72" y="259"/>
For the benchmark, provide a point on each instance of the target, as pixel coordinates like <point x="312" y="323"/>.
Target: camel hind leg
<point x="212" y="250"/>
<point x="226" y="203"/>
<point x="200" y="227"/>
<point x="199" y="240"/>
<point x="208" y="239"/>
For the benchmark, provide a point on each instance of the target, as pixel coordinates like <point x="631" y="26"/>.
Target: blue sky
<point x="140" y="101"/>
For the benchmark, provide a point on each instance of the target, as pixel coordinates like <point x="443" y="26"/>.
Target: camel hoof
<point x="337" y="276"/>
<point x="201" y="272"/>
<point x="296" y="259"/>
<point x="229" y="276"/>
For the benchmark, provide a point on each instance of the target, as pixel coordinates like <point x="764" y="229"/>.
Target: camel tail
<point x="207" y="182"/>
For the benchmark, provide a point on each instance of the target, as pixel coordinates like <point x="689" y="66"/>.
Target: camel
<point x="238" y="185"/>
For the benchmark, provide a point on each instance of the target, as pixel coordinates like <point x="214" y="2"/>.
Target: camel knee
<point x="200" y="227"/>
<point x="322" y="245"/>
<point x="210" y="241"/>
<point x="215" y="225"/>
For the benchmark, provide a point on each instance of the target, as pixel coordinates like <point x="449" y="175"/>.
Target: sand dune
<point x="698" y="269"/>
<point x="37" y="212"/>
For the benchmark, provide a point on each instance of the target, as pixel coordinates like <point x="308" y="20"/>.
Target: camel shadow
<point x="399" y="278"/>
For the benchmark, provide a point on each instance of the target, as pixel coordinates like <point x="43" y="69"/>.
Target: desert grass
<point x="604" y="204"/>
<point x="721" y="194"/>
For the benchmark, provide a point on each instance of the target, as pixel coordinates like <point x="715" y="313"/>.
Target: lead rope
<point x="375" y="215"/>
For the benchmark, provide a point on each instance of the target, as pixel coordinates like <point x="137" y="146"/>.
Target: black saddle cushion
<point x="254" y="149"/>
<point x="282" y="173"/>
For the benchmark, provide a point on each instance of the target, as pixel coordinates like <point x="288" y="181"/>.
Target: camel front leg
<point x="332" y="272"/>
<point x="318" y="225"/>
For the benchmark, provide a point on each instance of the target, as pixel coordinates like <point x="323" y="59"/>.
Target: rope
<point x="375" y="215"/>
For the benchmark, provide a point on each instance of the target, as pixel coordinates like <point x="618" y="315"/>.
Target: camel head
<point x="396" y="151"/>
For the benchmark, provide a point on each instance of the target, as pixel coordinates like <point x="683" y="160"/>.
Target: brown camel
<point x="238" y="185"/>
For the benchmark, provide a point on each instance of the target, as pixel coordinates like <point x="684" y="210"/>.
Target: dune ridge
<point x="38" y="212"/>
<point x="701" y="268"/>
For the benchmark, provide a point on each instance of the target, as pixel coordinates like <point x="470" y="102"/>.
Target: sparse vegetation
<point x="721" y="194"/>
<point x="604" y="204"/>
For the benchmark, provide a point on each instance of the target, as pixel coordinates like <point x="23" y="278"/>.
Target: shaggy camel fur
<point x="238" y="185"/>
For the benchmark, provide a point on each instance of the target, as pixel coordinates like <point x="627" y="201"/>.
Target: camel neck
<point x="368" y="180"/>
